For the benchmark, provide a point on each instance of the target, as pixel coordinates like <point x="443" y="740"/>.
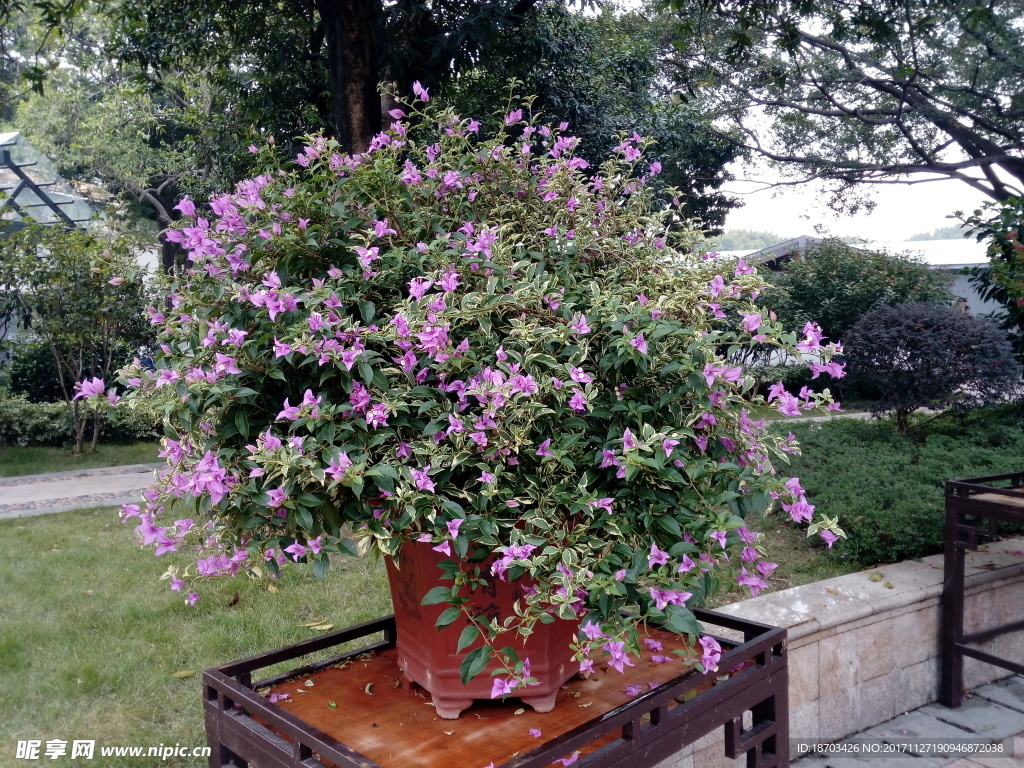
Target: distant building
<point x="953" y="257"/>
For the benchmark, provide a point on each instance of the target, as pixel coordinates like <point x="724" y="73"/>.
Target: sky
<point x="901" y="210"/>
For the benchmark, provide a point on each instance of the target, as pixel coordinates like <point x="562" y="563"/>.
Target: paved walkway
<point x="994" y="713"/>
<point x="60" y="491"/>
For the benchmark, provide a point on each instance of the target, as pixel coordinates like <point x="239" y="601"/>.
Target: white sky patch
<point x="901" y="211"/>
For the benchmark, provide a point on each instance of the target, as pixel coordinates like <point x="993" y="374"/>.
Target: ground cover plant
<point x="28" y="461"/>
<point x="86" y="653"/>
<point x="886" y="488"/>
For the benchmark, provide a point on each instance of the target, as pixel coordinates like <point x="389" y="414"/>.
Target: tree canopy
<point x="893" y="90"/>
<point x="603" y="75"/>
<point x="316" y="63"/>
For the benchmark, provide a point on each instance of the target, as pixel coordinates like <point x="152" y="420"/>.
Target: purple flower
<point x="639" y="343"/>
<point x="751" y="322"/>
<point x="579" y="325"/>
<point x="418" y="286"/>
<point x="192" y="598"/>
<point x="592" y="630"/>
<point x="668" y="445"/>
<point x="290" y="412"/>
<point x="444" y="548"/>
<point x="453" y="527"/>
<point x="579" y="375"/>
<point x="712" y="652"/>
<point x="665" y="597"/>
<point x="337" y="466"/>
<point x="634" y="690"/>
<point x="652" y="644"/>
<point x="422" y="479"/>
<point x="501" y="687"/>
<point x="535" y="733"/>
<point x="628" y="441"/>
<point x="90" y="387"/>
<point x="296" y="550"/>
<point x="578" y="402"/>
<point x="543" y="450"/>
<point x="277" y="497"/>
<point x="513" y="117"/>
<point x="605" y="504"/>
<point x="829" y="537"/>
<point x="719" y="536"/>
<point x="421" y="93"/>
<point x="657" y="557"/>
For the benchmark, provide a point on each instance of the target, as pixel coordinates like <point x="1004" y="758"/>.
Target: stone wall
<point x="864" y="648"/>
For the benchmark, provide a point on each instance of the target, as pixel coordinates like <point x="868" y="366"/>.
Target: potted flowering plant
<point x="485" y="349"/>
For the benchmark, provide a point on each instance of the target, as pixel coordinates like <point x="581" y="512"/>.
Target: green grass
<point x="887" y="489"/>
<point x="27" y="461"/>
<point x="90" y="638"/>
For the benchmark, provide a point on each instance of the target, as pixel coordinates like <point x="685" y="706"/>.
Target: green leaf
<point x="437" y="595"/>
<point x="366" y="373"/>
<point x="367" y="311"/>
<point x="474" y="663"/>
<point x="469" y="634"/>
<point x="304" y="519"/>
<point x="321" y="564"/>
<point x="348" y="547"/>
<point x="447" y="617"/>
<point x="681" y="621"/>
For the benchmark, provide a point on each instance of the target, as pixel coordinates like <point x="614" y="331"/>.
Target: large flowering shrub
<point x="476" y="344"/>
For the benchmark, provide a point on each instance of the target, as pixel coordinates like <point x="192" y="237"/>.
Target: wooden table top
<point x="363" y="704"/>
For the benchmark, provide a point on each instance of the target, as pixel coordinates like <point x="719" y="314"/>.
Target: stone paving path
<point x="994" y="713"/>
<point x="29" y="495"/>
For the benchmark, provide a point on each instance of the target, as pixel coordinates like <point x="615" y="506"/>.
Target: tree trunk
<point x="95" y="431"/>
<point x="354" y="66"/>
<point x="903" y="420"/>
<point x="78" y="427"/>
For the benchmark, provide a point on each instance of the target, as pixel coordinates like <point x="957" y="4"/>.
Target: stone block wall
<point x="862" y="651"/>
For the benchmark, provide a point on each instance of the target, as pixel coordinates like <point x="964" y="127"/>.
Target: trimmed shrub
<point x="887" y="489"/>
<point x="33" y="373"/>
<point x="834" y="284"/>
<point x="25" y="423"/>
<point x="928" y="355"/>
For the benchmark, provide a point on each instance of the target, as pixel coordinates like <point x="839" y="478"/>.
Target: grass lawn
<point x="28" y="461"/>
<point x="90" y="640"/>
<point x="886" y="488"/>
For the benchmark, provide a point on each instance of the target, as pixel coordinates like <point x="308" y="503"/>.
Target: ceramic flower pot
<point x="428" y="656"/>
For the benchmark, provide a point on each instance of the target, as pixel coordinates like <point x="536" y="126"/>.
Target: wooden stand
<point x="352" y="711"/>
<point x="974" y="508"/>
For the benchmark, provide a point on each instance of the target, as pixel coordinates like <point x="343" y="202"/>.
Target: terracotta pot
<point x="428" y="656"/>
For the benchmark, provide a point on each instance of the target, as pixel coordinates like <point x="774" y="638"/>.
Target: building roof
<point x="940" y="254"/>
<point x="35" y="165"/>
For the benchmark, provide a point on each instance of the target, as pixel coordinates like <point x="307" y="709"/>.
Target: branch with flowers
<point x="480" y="344"/>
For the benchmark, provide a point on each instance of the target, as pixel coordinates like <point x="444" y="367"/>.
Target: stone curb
<point x="67" y="505"/>
<point x="125" y="469"/>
